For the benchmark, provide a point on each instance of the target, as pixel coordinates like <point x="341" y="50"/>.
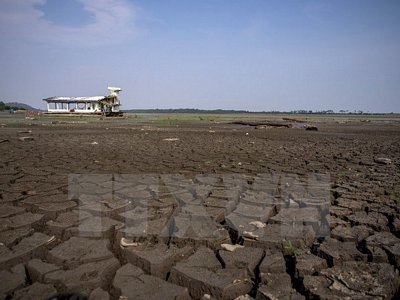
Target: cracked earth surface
<point x="199" y="212"/>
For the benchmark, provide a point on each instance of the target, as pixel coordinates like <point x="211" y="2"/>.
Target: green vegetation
<point x="290" y="249"/>
<point x="189" y="111"/>
<point x="202" y="119"/>
<point x="6" y="106"/>
<point x="176" y="119"/>
<point x="232" y="111"/>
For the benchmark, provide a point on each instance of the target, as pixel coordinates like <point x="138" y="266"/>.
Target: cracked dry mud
<point x="143" y="213"/>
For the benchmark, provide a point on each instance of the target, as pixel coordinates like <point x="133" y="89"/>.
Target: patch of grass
<point x="290" y="249"/>
<point x="170" y="119"/>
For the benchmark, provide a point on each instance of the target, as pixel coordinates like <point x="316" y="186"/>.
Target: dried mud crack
<point x="152" y="212"/>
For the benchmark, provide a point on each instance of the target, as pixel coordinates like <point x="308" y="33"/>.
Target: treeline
<point x="232" y="111"/>
<point x="190" y="111"/>
<point x="5" y="106"/>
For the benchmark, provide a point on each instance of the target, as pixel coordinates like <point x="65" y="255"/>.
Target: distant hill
<point x="15" y="106"/>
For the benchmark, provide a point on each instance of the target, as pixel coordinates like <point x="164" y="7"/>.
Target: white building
<point x="106" y="105"/>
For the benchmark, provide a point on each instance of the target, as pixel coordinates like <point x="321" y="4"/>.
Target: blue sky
<point x="208" y="54"/>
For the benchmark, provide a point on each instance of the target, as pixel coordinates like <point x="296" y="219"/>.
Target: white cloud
<point x="113" y="22"/>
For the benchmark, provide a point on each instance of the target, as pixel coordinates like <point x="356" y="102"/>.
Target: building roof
<point x="75" y="99"/>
